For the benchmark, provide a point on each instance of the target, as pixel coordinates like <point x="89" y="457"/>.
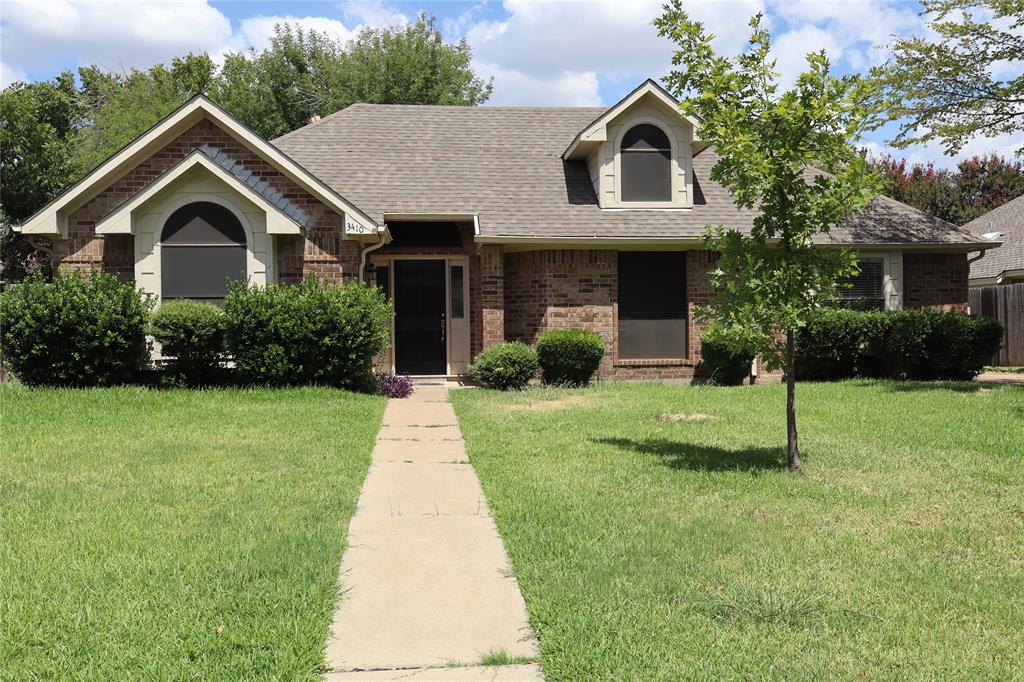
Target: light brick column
<point x="492" y="294"/>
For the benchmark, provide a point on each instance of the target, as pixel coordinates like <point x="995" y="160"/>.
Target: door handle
<point x="444" y="325"/>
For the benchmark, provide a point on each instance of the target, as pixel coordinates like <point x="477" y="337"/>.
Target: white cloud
<point x="9" y="74"/>
<point x="114" y="35"/>
<point x="373" y="13"/>
<point x="515" y="88"/>
<point x="792" y="47"/>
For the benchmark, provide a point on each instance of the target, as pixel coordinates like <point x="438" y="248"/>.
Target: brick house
<point x="483" y="224"/>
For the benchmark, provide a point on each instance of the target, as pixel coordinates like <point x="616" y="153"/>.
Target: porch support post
<point x="492" y="293"/>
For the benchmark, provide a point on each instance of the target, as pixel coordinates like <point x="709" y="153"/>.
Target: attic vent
<point x="993" y="235"/>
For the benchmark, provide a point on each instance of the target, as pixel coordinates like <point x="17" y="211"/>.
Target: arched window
<point x="646" y="164"/>
<point x="202" y="246"/>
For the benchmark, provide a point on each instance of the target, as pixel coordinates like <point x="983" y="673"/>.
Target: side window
<point x="652" y="305"/>
<point x="457" y="286"/>
<point x="866" y="291"/>
<point x="645" y="165"/>
<point x="383" y="279"/>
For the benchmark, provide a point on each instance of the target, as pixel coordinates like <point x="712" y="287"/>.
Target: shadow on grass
<point x="919" y="386"/>
<point x="693" y="457"/>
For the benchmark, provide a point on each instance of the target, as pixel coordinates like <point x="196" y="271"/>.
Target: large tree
<point x="38" y="123"/>
<point x="305" y="73"/>
<point x="975" y="187"/>
<point x="789" y="155"/>
<point x="964" y="78"/>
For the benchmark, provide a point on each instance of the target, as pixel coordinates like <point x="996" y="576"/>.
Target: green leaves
<point x="949" y="88"/>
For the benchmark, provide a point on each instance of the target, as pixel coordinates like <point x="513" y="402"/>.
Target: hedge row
<point x="91" y="329"/>
<point x="904" y="344"/>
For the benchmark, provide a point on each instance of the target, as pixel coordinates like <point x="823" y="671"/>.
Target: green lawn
<point x="656" y="547"/>
<point x="177" y="535"/>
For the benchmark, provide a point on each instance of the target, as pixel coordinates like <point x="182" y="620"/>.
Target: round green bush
<point x="80" y="330"/>
<point x="191" y="335"/>
<point x="505" y="367"/>
<point x="314" y="332"/>
<point x="569" y="356"/>
<point x="960" y="346"/>
<point x="726" y="361"/>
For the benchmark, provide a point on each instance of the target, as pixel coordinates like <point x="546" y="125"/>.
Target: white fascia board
<point x="119" y="221"/>
<point x="598" y="131"/>
<point x="51" y="220"/>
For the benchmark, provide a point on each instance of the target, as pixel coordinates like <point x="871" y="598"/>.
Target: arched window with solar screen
<point x="646" y="164"/>
<point x="202" y="247"/>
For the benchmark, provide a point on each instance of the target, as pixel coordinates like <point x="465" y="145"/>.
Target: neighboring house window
<point x="652" y="305"/>
<point x="866" y="291"/>
<point x="646" y="164"/>
<point x="202" y="246"/>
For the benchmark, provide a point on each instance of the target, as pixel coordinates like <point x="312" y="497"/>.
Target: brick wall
<point x="322" y="250"/>
<point x="937" y="281"/>
<point x="579" y="288"/>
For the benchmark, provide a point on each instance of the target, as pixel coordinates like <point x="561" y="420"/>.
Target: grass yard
<point x="655" y="534"/>
<point x="174" y="535"/>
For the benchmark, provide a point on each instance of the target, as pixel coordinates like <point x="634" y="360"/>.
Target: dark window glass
<point x="384" y="279"/>
<point x="202" y="247"/>
<point x="652" y="305"/>
<point x="646" y="164"/>
<point x="458" y="305"/>
<point x="866" y="291"/>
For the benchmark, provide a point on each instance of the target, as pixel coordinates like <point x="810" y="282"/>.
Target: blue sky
<point x="540" y="52"/>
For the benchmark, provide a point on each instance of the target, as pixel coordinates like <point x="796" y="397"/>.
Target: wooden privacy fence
<point x="1006" y="304"/>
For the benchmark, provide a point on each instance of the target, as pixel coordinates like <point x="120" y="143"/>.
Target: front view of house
<point x="482" y="224"/>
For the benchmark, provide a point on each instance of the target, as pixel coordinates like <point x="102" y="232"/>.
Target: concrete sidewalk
<point x="428" y="590"/>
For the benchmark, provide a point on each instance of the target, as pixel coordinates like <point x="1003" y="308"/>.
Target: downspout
<point x="384" y="241"/>
<point x="981" y="254"/>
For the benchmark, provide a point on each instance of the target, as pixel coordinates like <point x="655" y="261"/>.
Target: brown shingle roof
<point x="505" y="165"/>
<point x="1008" y="219"/>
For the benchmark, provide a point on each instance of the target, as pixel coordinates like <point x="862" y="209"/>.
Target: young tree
<point x="946" y="86"/>
<point x="790" y="156"/>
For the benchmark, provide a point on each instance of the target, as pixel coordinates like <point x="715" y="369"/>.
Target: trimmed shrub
<point x="726" y="361"/>
<point x="901" y="344"/>
<point x="506" y="366"/>
<point x="80" y="330"/>
<point x="394" y="385"/>
<point x="960" y="346"/>
<point x="569" y="356"/>
<point x="313" y="332"/>
<point x="191" y="334"/>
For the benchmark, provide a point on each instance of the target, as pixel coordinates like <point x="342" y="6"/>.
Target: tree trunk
<point x="793" y="451"/>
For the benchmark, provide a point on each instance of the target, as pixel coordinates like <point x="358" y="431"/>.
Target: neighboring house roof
<point x="51" y="218"/>
<point x="505" y="165"/>
<point x="1008" y="259"/>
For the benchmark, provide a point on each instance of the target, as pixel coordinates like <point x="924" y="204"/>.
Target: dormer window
<point x="646" y="165"/>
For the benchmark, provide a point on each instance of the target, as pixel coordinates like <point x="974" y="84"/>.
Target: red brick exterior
<point x="321" y="251"/>
<point x="579" y="288"/>
<point x="937" y="281"/>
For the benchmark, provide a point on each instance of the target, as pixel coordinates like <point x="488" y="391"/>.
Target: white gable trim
<point x="51" y="220"/>
<point x="119" y="221"/>
<point x="598" y="130"/>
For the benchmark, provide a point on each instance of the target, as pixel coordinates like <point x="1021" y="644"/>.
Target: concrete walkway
<point x="427" y="587"/>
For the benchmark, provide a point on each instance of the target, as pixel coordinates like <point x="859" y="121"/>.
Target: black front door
<point x="419" y="317"/>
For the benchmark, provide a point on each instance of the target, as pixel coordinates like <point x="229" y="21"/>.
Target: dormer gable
<point x="639" y="152"/>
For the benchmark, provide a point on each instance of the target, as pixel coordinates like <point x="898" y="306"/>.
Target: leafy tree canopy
<point x="947" y="86"/>
<point x="792" y="156"/>
<point x="977" y="186"/>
